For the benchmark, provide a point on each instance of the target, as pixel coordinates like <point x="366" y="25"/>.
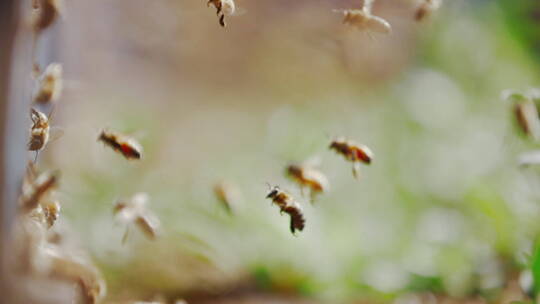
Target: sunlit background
<point x="443" y="208"/>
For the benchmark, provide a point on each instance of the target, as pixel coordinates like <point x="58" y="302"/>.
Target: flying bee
<point x="287" y="204"/>
<point x="122" y="144"/>
<point x="308" y="177"/>
<point x="228" y="195"/>
<point x="364" y="20"/>
<point x="40" y="132"/>
<point x="35" y="189"/>
<point x="525" y="113"/>
<point x="527" y="118"/>
<point x="223" y="8"/>
<point x="134" y="212"/>
<point x="45" y="13"/>
<point x="49" y="84"/>
<point x="297" y="217"/>
<point x="426" y="8"/>
<point x="352" y="152"/>
<point x="51" y="211"/>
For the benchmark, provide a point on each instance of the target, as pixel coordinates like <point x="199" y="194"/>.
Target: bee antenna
<point x="269" y="186"/>
<point x="33" y="114"/>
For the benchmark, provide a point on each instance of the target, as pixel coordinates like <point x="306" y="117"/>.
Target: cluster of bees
<point x="41" y="249"/>
<point x="38" y="200"/>
<point x="362" y="19"/>
<point x="306" y="176"/>
<point x="38" y="203"/>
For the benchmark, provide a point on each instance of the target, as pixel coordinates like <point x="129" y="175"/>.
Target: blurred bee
<point x="364" y="20"/>
<point x="49" y="84"/>
<point x="353" y="152"/>
<point x="45" y="13"/>
<point x="287" y="204"/>
<point x="228" y="195"/>
<point x="35" y="188"/>
<point x="308" y="177"/>
<point x="51" y="211"/>
<point x="122" y="144"/>
<point x="525" y="113"/>
<point x="527" y="119"/>
<point x="223" y="7"/>
<point x="426" y="8"/>
<point x="134" y="212"/>
<point x="76" y="268"/>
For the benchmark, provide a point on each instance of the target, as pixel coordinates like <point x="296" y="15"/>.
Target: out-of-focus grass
<point x="442" y="207"/>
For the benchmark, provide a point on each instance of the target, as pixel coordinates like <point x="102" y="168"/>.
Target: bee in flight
<point x="223" y="8"/>
<point x="364" y="20"/>
<point x="36" y="187"/>
<point x="40" y="131"/>
<point x="45" y="13"/>
<point x="122" y="144"/>
<point x="525" y="112"/>
<point x="288" y="205"/>
<point x="352" y="152"/>
<point x="49" y="84"/>
<point x="133" y="211"/>
<point x="308" y="177"/>
<point x="228" y="195"/>
<point x="426" y="8"/>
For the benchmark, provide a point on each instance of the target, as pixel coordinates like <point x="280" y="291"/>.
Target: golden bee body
<point x="49" y="84"/>
<point x="308" y="177"/>
<point x="287" y="204"/>
<point x="123" y="144"/>
<point x="364" y="20"/>
<point x="353" y="152"/>
<point x="39" y="132"/>
<point x="45" y="13"/>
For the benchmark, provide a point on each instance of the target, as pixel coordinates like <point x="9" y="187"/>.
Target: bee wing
<point x="368" y="4"/>
<point x="379" y="25"/>
<point x="529" y="158"/>
<point x="55" y="133"/>
<point x="513" y="96"/>
<point x="239" y="11"/>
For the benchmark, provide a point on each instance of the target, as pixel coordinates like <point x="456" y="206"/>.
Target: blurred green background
<point x="443" y="208"/>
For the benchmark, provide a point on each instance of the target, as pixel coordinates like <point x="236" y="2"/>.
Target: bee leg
<point x="35" y="157"/>
<point x="356" y="170"/>
<point x="222" y="20"/>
